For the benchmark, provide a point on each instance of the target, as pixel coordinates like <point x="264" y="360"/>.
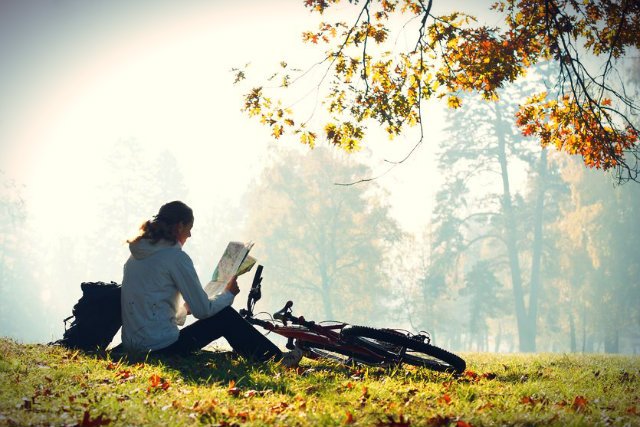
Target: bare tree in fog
<point x="321" y="244"/>
<point x="482" y="155"/>
<point x="598" y="234"/>
<point x="136" y="182"/>
<point x="21" y="306"/>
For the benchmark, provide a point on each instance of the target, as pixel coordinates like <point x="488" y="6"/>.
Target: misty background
<point x="480" y="237"/>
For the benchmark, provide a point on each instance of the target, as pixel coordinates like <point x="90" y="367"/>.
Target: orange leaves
<point x="348" y="418"/>
<point x="156" y="383"/>
<point x="326" y="33"/>
<point x="345" y="135"/>
<point x="270" y="113"/>
<point x="454" y="102"/>
<point x="579" y="404"/>
<point x="235" y="391"/>
<point x="475" y="377"/>
<point x="232" y="389"/>
<point x="444" y="399"/>
<point x="367" y="78"/>
<point x="528" y="400"/>
<point x="477" y="59"/>
<point x="124" y="375"/>
<point x="576" y="129"/>
<point x="319" y="5"/>
<point x="308" y="138"/>
<point x="279" y="407"/>
<point x="364" y="396"/>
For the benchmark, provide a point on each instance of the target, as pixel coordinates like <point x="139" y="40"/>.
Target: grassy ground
<point x="43" y="385"/>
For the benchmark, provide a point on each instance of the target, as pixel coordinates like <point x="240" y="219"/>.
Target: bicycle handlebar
<point x="285" y="313"/>
<point x="254" y="293"/>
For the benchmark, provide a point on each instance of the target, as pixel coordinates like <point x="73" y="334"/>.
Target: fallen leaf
<point x="487" y="405"/>
<point x="279" y="408"/>
<point x="232" y="389"/>
<point x="445" y="398"/>
<point x="244" y="415"/>
<point x="471" y="375"/>
<point x="348" y="418"/>
<point x="157" y="382"/>
<point x="124" y="374"/>
<point x="250" y="393"/>
<point x="364" y="396"/>
<point x="579" y="404"/>
<point x="461" y="423"/>
<point x="528" y="400"/>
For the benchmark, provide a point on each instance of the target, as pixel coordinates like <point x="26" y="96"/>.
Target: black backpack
<point x="96" y="317"/>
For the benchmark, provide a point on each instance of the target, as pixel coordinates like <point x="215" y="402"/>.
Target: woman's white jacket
<point x="155" y="276"/>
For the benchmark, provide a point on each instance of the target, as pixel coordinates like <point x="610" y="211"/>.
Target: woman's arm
<point x="200" y="304"/>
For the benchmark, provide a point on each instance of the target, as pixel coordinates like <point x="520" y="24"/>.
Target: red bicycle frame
<point x="302" y="332"/>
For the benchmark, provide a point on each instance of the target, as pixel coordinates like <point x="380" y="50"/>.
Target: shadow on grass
<point x="207" y="367"/>
<point x="219" y="368"/>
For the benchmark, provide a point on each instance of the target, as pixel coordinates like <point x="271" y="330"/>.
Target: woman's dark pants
<point x="241" y="335"/>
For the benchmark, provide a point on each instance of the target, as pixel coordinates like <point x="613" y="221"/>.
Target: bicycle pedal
<point x="290" y="345"/>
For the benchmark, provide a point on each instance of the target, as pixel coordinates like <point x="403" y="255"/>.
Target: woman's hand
<point x="232" y="286"/>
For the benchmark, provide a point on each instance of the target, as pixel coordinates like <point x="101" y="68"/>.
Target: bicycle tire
<point x="408" y="350"/>
<point x="335" y="353"/>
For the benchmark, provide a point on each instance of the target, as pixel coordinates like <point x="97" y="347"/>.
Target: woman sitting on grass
<point x="157" y="273"/>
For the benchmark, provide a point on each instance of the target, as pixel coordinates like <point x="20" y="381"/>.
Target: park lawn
<point x="48" y="385"/>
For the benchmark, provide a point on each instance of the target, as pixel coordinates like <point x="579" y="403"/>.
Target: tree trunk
<point x="536" y="259"/>
<point x="326" y="296"/>
<point x="572" y="333"/>
<point x="498" y="339"/>
<point x="525" y="338"/>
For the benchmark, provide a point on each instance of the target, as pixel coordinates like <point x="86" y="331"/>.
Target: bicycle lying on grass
<point x="348" y="343"/>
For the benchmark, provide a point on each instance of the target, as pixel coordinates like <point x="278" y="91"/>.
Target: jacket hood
<point x="143" y="248"/>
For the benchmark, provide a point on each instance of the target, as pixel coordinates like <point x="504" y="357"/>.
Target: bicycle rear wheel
<point x="408" y="350"/>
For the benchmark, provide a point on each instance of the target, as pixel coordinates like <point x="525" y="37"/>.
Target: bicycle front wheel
<point x="408" y="350"/>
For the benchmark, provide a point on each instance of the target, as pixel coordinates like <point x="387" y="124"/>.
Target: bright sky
<point x="79" y="76"/>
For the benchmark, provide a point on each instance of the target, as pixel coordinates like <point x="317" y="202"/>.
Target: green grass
<point x="43" y="385"/>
